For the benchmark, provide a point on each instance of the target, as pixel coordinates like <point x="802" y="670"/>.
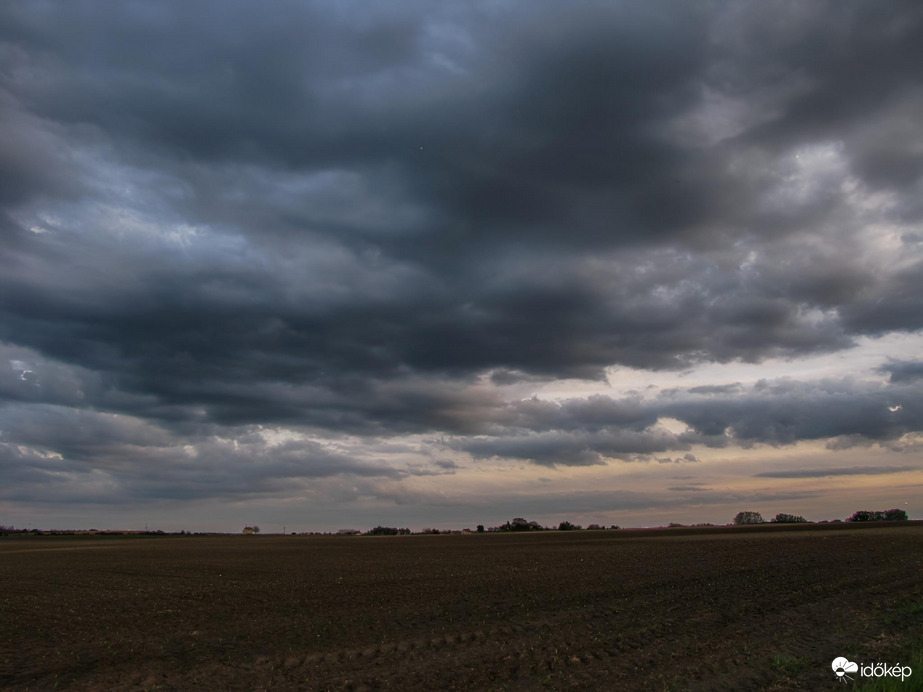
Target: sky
<point x="325" y="265"/>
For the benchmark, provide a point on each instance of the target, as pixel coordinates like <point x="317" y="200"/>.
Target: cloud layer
<point x="362" y="224"/>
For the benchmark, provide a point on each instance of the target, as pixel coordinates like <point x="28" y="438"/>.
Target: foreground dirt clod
<point x="686" y="610"/>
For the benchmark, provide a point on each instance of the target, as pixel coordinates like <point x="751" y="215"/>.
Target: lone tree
<point x="748" y="518"/>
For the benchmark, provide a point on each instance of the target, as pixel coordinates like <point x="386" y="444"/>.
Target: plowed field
<point x="766" y="608"/>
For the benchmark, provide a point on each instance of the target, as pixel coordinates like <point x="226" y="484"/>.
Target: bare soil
<point x="761" y="609"/>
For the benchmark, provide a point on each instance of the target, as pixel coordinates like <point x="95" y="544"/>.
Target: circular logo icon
<point x="841" y="666"/>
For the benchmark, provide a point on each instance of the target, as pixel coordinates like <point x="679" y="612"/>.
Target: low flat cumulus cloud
<point x="372" y="222"/>
<point x="782" y="412"/>
<point x="849" y="471"/>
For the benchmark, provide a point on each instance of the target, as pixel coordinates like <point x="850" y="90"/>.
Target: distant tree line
<point x="757" y="518"/>
<point x="6" y="530"/>
<point x="743" y="518"/>
<point x="517" y="524"/>
<point x="387" y="531"/>
<point x="886" y="515"/>
<point x="748" y="518"/>
<point x="676" y="525"/>
<point x="567" y="526"/>
<point x="520" y="524"/>
<point x="9" y="530"/>
<point x="782" y="518"/>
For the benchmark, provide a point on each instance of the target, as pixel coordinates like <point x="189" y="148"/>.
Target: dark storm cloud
<point x="904" y="371"/>
<point x="342" y="217"/>
<point x="870" y="50"/>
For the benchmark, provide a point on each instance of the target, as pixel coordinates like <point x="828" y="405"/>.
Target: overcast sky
<point x="336" y="264"/>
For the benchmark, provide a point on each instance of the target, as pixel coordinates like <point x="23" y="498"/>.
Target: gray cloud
<point x="904" y="371"/>
<point x="52" y="453"/>
<point x="349" y="220"/>
<point x="780" y="412"/>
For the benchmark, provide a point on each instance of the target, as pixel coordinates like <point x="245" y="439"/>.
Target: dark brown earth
<point x="764" y="609"/>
